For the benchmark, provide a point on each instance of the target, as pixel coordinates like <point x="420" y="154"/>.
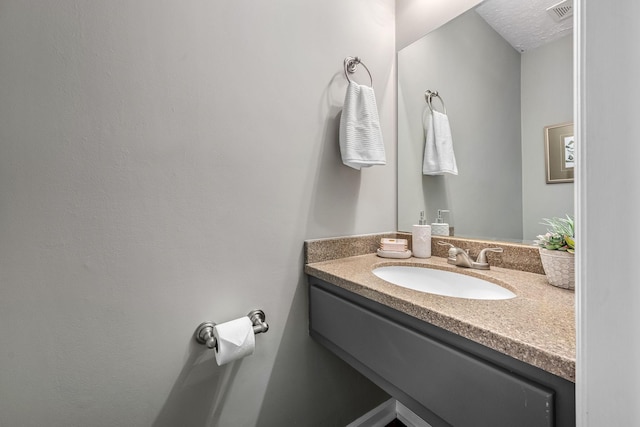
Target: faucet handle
<point x="452" y="248"/>
<point x="442" y="243"/>
<point x="482" y="257"/>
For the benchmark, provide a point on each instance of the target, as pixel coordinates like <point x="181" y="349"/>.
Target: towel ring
<point x="351" y="65"/>
<point x="429" y="95"/>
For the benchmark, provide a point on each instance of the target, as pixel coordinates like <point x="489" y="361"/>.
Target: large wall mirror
<point x="499" y="96"/>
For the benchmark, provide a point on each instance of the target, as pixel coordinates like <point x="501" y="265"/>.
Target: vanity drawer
<point x="454" y="387"/>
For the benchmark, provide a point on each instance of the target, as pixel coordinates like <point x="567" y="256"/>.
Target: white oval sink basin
<point x="442" y="282"/>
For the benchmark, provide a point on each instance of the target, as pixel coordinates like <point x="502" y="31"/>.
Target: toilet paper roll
<point x="235" y="340"/>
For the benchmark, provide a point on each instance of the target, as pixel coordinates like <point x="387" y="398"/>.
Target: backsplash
<point x="515" y="256"/>
<point x="319" y="250"/>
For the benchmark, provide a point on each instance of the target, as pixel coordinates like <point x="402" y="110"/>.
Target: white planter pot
<point x="559" y="266"/>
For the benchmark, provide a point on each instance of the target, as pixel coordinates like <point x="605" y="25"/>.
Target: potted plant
<point x="557" y="248"/>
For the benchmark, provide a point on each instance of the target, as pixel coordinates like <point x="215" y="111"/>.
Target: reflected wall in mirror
<point x="499" y="101"/>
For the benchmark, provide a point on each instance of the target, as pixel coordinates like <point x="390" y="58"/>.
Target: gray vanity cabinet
<point x="444" y="378"/>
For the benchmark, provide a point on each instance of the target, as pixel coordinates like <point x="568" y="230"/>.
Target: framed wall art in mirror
<point x="559" y="150"/>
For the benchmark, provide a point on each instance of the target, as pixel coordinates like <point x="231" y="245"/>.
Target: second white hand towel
<point x="439" y="157"/>
<point x="360" y="136"/>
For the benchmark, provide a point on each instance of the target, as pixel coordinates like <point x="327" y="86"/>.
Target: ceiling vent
<point x="561" y="11"/>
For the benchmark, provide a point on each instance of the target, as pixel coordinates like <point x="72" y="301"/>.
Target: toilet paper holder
<point x="204" y="332"/>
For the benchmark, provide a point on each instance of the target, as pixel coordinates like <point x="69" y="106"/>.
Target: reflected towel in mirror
<point x="439" y="157"/>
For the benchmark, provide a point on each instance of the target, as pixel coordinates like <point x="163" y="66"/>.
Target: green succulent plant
<point x="560" y="234"/>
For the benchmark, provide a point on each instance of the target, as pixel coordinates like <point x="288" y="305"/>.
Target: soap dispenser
<point x="421" y="238"/>
<point x="440" y="228"/>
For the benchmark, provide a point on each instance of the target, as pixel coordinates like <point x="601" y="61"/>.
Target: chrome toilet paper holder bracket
<point x="204" y="332"/>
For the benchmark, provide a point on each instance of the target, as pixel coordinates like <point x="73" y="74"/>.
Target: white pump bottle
<point x="440" y="228"/>
<point x="421" y="238"/>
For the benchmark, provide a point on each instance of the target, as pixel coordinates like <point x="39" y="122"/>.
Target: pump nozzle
<point x="439" y="219"/>
<point x="422" y="220"/>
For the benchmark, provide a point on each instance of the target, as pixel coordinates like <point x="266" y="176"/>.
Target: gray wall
<point x="547" y="99"/>
<point x="117" y="184"/>
<point x="416" y="18"/>
<point x="161" y="164"/>
<point x="478" y="76"/>
<point x="608" y="295"/>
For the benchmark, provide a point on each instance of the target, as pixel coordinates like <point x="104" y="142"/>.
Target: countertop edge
<point x="556" y="364"/>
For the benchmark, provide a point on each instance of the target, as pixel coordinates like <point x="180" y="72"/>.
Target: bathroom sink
<point x="440" y="282"/>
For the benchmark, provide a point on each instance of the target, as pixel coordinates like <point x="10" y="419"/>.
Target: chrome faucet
<point x="461" y="258"/>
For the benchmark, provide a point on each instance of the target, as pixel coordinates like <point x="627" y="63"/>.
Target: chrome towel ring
<point x="351" y="65"/>
<point x="429" y="95"/>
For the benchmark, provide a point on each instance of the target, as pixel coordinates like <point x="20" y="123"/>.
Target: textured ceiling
<point x="524" y="23"/>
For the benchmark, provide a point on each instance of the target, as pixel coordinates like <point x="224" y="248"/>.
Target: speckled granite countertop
<point x="536" y="327"/>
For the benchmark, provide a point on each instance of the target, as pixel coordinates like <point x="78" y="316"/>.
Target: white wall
<point x="161" y="164"/>
<point x="608" y="291"/>
<point x="547" y="99"/>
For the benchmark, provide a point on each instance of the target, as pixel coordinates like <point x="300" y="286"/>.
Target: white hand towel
<point x="360" y="136"/>
<point x="439" y="157"/>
